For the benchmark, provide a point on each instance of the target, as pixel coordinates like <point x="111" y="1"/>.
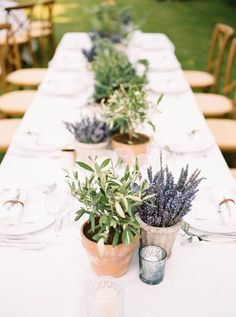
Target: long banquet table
<point x="199" y="277"/>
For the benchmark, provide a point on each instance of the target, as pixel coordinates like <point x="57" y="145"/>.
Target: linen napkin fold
<point x="227" y="206"/>
<point x="12" y="207"/>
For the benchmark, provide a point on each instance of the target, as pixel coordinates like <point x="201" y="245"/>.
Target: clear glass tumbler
<point x="105" y="298"/>
<point x="152" y="260"/>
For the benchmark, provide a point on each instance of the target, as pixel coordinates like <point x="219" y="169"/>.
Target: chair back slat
<point x="220" y="38"/>
<point x="229" y="83"/>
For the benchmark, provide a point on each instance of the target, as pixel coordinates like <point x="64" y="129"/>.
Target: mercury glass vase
<point x="152" y="260"/>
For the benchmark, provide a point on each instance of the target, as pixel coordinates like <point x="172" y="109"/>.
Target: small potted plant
<point x="127" y="110"/>
<point x="90" y="134"/>
<point x="160" y="216"/>
<point x="110" y="21"/>
<point x="111" y="232"/>
<point x="113" y="69"/>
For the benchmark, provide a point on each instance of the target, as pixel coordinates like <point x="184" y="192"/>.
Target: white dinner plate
<point x="209" y="226"/>
<point x="27" y="228"/>
<point x="186" y="144"/>
<point x="151" y="41"/>
<point x="29" y="142"/>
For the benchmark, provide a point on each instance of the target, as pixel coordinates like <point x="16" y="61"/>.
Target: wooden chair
<point x="210" y="79"/>
<point x="13" y="103"/>
<point x="8" y="128"/>
<point x="42" y="29"/>
<point x="28" y="77"/>
<point x="233" y="172"/>
<point x="20" y="35"/>
<point x="224" y="131"/>
<point x="215" y="105"/>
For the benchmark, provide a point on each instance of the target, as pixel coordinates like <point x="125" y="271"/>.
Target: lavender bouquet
<point x="169" y="200"/>
<point x="89" y="130"/>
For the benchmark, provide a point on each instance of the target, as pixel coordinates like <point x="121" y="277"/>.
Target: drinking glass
<point x="57" y="205"/>
<point x="105" y="298"/>
<point x="68" y="158"/>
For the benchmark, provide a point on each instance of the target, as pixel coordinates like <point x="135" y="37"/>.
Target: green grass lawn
<point x="188" y="23"/>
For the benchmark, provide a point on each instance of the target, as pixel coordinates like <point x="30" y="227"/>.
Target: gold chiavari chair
<point x="216" y="105"/>
<point x="13" y="103"/>
<point x="210" y="79"/>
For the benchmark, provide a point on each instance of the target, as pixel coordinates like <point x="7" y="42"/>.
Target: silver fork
<point x="214" y="237"/>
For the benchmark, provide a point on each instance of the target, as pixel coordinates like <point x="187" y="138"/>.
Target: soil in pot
<point x="138" y="145"/>
<point x="114" y="261"/>
<point x="124" y="138"/>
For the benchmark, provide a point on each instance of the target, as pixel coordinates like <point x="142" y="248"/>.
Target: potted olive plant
<point x="90" y="134"/>
<point x="111" y="232"/>
<point x="113" y="69"/>
<point x="160" y="217"/>
<point x="127" y="110"/>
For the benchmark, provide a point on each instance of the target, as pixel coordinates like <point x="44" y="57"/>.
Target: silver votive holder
<point x="152" y="260"/>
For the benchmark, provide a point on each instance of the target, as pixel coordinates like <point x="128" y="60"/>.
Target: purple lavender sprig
<point x="89" y="130"/>
<point x="170" y="201"/>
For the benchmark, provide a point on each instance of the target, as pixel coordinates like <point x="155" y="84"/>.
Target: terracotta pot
<point x="114" y="262"/>
<point x="83" y="150"/>
<point x="136" y="148"/>
<point x="159" y="236"/>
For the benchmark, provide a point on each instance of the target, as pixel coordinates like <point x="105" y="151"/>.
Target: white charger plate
<point x="26" y="142"/>
<point x="177" y="144"/>
<point x="208" y="226"/>
<point x="27" y="228"/>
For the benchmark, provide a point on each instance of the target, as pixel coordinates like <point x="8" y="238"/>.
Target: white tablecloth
<point x="199" y="278"/>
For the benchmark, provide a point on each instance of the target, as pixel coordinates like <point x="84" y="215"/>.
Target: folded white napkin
<point x="12" y="207"/>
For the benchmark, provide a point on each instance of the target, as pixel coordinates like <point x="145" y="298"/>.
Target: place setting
<point x="55" y="85"/>
<point x="159" y="61"/>
<point x="167" y="83"/>
<point x="41" y="140"/>
<point x="32" y="218"/>
<point x="151" y="41"/>
<point x="69" y="61"/>
<point x="213" y="218"/>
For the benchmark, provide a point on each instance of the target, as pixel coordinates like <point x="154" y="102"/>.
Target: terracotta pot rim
<point x="109" y="246"/>
<point x="147" y="227"/>
<point x="89" y="145"/>
<point x="148" y="137"/>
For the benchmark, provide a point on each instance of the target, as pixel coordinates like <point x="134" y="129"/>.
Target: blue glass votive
<point x="152" y="260"/>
